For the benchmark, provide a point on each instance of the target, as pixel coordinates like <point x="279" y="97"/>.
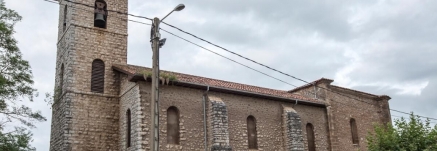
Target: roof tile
<point x="133" y="70"/>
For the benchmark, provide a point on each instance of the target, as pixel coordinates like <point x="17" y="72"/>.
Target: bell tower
<point x="92" y="36"/>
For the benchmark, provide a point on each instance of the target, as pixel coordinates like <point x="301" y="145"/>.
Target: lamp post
<point x="155" y="38"/>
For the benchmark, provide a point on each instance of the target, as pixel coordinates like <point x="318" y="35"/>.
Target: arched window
<point x="128" y="127"/>
<point x="97" y="76"/>
<point x="61" y="79"/>
<point x="354" y="131"/>
<point x="100" y="14"/>
<point x="172" y="125"/>
<point x="310" y="137"/>
<point x="251" y="132"/>
<point x="65" y="18"/>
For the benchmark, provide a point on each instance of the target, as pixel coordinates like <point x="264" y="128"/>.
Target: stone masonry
<point x="344" y="104"/>
<point x="83" y="120"/>
<point x="218" y="124"/>
<point x="293" y="139"/>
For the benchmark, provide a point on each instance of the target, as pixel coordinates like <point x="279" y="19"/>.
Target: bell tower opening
<point x="100" y="14"/>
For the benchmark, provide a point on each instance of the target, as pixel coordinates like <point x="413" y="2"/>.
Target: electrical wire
<point x="241" y="56"/>
<point x="340" y="103"/>
<point x="118" y="12"/>
<point x="273" y="69"/>
<point x="228" y="58"/>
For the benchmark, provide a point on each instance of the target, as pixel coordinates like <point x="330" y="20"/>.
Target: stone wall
<point x="83" y="120"/>
<point x="345" y="104"/>
<point x="217" y="123"/>
<point x="130" y="99"/>
<point x="292" y="127"/>
<point x="267" y="112"/>
<point x="363" y="108"/>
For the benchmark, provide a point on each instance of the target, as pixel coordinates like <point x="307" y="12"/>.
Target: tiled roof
<point x="133" y="70"/>
<point x="311" y="84"/>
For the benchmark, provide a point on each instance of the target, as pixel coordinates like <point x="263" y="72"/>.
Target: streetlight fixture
<point x="154" y="103"/>
<point x="177" y="8"/>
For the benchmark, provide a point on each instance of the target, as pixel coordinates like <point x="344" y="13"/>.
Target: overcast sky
<point x="380" y="47"/>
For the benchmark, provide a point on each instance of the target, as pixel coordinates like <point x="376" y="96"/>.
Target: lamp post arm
<point x="166" y="15"/>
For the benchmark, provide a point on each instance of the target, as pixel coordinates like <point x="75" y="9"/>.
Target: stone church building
<point x="103" y="104"/>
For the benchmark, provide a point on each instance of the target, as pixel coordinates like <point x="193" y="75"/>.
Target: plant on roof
<point x="147" y="74"/>
<point x="165" y="77"/>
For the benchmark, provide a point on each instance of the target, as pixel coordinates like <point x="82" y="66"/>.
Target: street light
<point x="154" y="103"/>
<point x="177" y="8"/>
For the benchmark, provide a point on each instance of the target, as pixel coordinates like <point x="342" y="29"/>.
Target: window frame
<point x="128" y="128"/>
<point x="173" y="127"/>
<point x="311" y="139"/>
<point x="61" y="79"/>
<point x="97" y="70"/>
<point x="252" y="133"/>
<point x="354" y="131"/>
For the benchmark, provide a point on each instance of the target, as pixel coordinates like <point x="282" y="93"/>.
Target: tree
<point x="17" y="140"/>
<point x="411" y="135"/>
<point x="16" y="85"/>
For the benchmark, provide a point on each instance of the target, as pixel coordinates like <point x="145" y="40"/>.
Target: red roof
<point x="133" y="70"/>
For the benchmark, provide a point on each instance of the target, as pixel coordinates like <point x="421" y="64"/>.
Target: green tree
<point x="17" y="140"/>
<point x="16" y="85"/>
<point x="411" y="135"/>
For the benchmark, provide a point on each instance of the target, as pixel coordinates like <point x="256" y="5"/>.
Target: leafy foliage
<point x="17" y="140"/>
<point x="15" y="73"/>
<point x="411" y="135"/>
<point x="15" y="84"/>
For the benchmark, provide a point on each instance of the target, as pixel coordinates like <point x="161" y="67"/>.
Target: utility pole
<point x="155" y="38"/>
<point x="154" y="131"/>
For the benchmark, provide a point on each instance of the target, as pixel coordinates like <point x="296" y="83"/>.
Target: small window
<point x="128" y="128"/>
<point x="310" y="137"/>
<point x="65" y="19"/>
<point x="61" y="79"/>
<point x="354" y="131"/>
<point x="97" y="76"/>
<point x="100" y="14"/>
<point x="251" y="132"/>
<point x="172" y="125"/>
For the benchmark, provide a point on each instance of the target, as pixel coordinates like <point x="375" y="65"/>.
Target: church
<point x="104" y="104"/>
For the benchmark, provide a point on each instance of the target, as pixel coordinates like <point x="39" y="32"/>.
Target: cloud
<point x="380" y="47"/>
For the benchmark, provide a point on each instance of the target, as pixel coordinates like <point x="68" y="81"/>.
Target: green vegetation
<point x="165" y="77"/>
<point x="15" y="84"/>
<point x="411" y="135"/>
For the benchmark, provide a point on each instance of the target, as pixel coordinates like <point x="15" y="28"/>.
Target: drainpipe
<point x="204" y="118"/>
<point x="315" y="91"/>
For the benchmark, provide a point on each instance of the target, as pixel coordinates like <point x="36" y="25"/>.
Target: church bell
<point x="100" y="18"/>
<point x="100" y="15"/>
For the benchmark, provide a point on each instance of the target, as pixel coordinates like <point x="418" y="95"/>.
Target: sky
<point x="380" y="47"/>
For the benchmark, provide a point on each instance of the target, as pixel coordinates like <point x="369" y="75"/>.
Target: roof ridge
<point x="134" y="70"/>
<point x="309" y="84"/>
<point x="356" y="90"/>
<point x="285" y="91"/>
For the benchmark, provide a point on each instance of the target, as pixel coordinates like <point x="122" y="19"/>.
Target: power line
<point x="340" y="103"/>
<point x="229" y="52"/>
<point x="410" y="113"/>
<point x="228" y="58"/>
<point x="234" y="53"/>
<point x="241" y="56"/>
<point x="408" y="118"/>
<point x="118" y="12"/>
